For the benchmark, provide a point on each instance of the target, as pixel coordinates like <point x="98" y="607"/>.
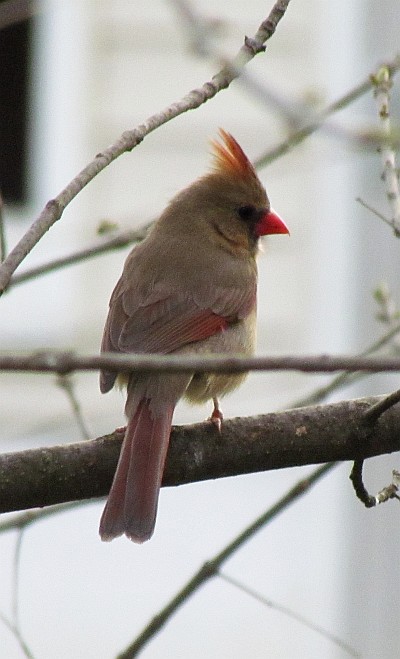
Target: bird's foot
<point x="217" y="417"/>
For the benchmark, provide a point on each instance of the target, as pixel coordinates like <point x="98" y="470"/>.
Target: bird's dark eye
<point x="247" y="212"/>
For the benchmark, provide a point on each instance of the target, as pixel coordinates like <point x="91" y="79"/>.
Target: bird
<point x="189" y="288"/>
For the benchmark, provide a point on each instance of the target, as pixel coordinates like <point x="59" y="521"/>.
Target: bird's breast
<point x="237" y="339"/>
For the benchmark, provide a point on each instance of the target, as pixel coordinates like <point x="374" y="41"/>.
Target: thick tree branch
<point x="309" y="435"/>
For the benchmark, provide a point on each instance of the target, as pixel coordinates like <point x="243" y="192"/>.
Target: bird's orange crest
<point x="229" y="157"/>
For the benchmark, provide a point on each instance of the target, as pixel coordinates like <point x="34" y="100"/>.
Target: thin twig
<point x="28" y="517"/>
<point x="67" y="362"/>
<point x="290" y="613"/>
<point x="369" y="500"/>
<point x="369" y="419"/>
<point x="130" y="139"/>
<point x="382" y="82"/>
<point x="118" y="241"/>
<point x="15" y="593"/>
<point x="14" y="626"/>
<point x="374" y="211"/>
<point x="388" y="312"/>
<point x="212" y="567"/>
<point x="64" y="381"/>
<point x="300" y="135"/>
<point x="356" y="478"/>
<point x="347" y="378"/>
<point x="375" y="411"/>
<point x="390" y="491"/>
<point x="24" y="647"/>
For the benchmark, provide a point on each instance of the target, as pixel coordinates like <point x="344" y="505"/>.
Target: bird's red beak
<point x="270" y="223"/>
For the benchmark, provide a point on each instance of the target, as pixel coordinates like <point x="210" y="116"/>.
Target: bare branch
<point x="388" y="313"/>
<point x="370" y="500"/>
<point x="367" y="430"/>
<point x="64" y="381"/>
<point x="308" y="435"/>
<point x="28" y="517"/>
<point x="118" y="241"/>
<point x="14" y="624"/>
<point x="67" y="362"/>
<point x="382" y="82"/>
<point x="131" y="138"/>
<point x="24" y="647"/>
<point x="384" y="404"/>
<point x="374" y="211"/>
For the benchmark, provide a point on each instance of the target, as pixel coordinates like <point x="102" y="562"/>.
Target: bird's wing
<point x="167" y="320"/>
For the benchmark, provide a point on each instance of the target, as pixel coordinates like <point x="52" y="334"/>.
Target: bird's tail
<point x="131" y="506"/>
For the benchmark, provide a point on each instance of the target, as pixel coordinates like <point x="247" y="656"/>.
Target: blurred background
<point x="73" y="78"/>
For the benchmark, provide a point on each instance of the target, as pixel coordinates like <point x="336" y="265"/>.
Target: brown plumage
<point x="189" y="287"/>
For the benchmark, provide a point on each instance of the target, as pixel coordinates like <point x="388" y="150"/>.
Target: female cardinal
<point x="189" y="287"/>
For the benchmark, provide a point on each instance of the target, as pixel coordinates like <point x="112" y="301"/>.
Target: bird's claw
<point x="217" y="417"/>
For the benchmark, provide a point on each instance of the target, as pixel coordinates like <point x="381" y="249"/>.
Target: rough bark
<point x="308" y="435"/>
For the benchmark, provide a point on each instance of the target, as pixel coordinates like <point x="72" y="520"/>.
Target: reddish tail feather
<point x="131" y="506"/>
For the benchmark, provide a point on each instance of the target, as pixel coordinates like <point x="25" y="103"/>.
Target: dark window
<point x="14" y="71"/>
